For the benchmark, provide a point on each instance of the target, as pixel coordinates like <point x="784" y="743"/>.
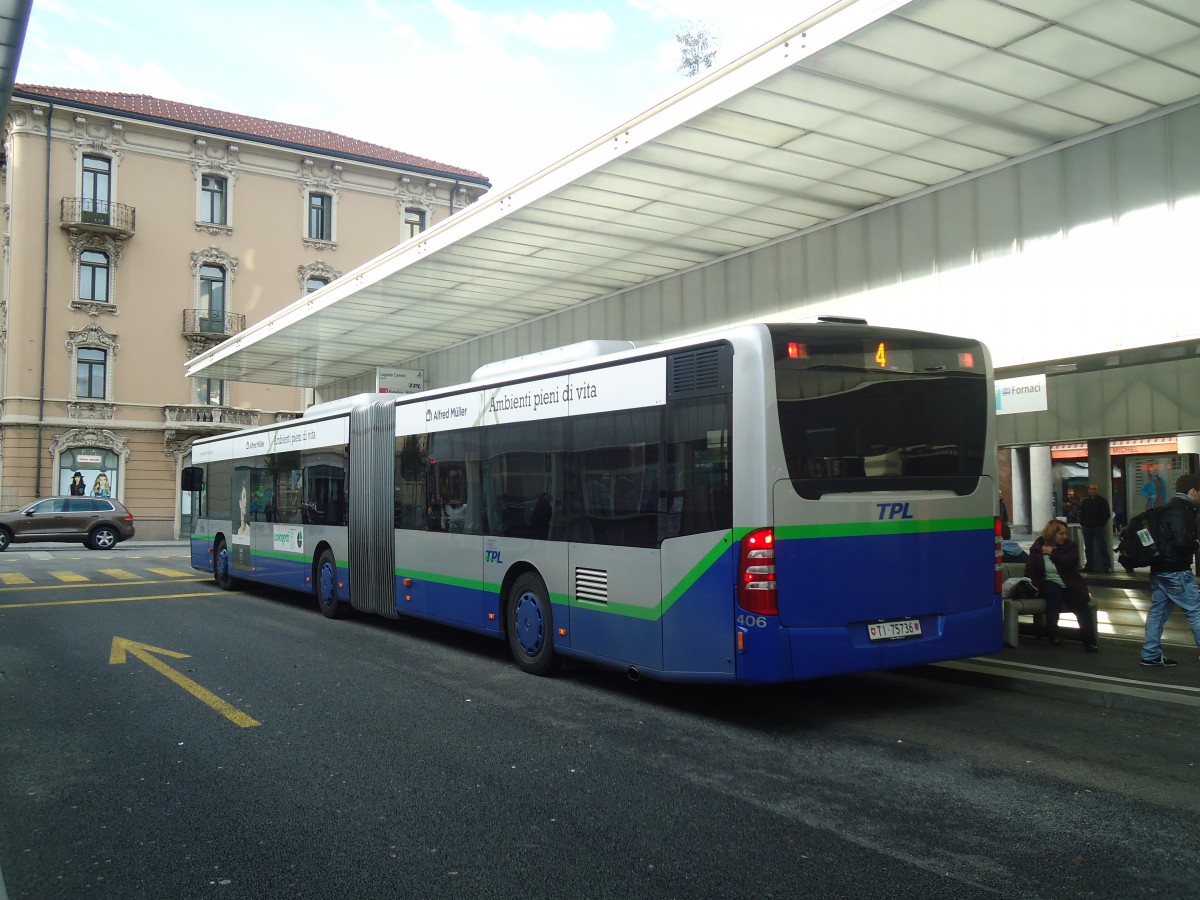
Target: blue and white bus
<point x="764" y="503"/>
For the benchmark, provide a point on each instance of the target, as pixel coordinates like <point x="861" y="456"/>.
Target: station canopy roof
<point x="865" y="102"/>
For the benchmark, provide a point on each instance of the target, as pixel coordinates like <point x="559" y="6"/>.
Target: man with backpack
<point x="1171" y="579"/>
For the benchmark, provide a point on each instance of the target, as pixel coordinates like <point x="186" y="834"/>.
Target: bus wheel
<point x="530" y="627"/>
<point x="325" y="585"/>
<point x="221" y="567"/>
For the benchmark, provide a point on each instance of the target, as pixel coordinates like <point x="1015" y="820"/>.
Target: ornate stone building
<point x="140" y="232"/>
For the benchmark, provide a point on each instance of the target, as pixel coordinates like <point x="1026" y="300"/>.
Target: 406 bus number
<point x="752" y="621"/>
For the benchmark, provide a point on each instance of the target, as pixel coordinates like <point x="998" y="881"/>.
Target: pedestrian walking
<point x="1171" y="580"/>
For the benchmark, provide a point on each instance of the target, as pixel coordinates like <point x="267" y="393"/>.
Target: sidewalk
<point x="1112" y="678"/>
<point x="122" y="547"/>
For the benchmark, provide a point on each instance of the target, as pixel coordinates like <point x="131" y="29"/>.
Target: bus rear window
<point x="890" y="412"/>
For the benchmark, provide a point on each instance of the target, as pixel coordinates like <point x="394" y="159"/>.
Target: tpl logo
<point x="889" y="511"/>
<point x="491" y="556"/>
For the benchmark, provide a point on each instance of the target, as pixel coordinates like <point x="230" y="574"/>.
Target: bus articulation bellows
<point x="765" y="503"/>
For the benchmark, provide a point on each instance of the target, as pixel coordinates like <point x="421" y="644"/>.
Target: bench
<point x="1033" y="606"/>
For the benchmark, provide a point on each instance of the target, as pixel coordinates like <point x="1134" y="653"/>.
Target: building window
<point x="91" y="370"/>
<point x="213" y="195"/>
<point x="96" y="189"/>
<point x="93" y="276"/>
<point x="414" y="222"/>
<point x="210" y="392"/>
<point x="320" y="217"/>
<point x="212" y="299"/>
<point x="315" y="275"/>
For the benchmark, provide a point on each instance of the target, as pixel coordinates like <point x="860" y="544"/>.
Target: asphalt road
<point x="290" y="756"/>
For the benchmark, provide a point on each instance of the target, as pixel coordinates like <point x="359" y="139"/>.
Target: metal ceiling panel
<point x="866" y="102"/>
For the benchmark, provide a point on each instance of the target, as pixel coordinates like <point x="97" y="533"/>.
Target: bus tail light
<point x="999" y="532"/>
<point x="757" y="588"/>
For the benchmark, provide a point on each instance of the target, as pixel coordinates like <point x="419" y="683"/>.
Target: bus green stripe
<point x="897" y="526"/>
<point x="445" y="580"/>
<point x="718" y="549"/>
<point x="282" y="554"/>
<point x="706" y="562"/>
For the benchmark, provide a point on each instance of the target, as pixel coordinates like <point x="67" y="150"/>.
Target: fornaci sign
<point x="1019" y="395"/>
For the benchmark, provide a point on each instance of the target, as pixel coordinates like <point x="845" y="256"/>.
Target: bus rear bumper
<point x="797" y="654"/>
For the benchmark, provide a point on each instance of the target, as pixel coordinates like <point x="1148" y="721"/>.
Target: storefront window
<point x="88" y="471"/>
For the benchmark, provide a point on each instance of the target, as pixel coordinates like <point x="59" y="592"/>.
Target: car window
<point x="52" y="505"/>
<point x="88" y="504"/>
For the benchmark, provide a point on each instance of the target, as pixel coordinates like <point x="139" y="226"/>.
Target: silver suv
<point x="98" y="522"/>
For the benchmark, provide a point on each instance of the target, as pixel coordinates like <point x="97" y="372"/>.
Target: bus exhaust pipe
<point x="633" y="674"/>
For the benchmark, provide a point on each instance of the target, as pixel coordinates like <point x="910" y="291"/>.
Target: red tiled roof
<point x="250" y="126"/>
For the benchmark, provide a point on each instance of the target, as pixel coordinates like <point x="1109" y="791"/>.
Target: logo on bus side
<point x="891" y="511"/>
<point x="491" y="553"/>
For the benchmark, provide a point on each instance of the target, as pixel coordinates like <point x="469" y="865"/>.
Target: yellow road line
<point x="170" y="573"/>
<point x="107" y="600"/>
<point x="120" y="574"/>
<point x="66" y="587"/>
<point x="70" y="576"/>
<point x="10" y="578"/>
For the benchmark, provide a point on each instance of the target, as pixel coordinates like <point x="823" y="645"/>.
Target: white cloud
<point x="500" y="87"/>
<point x="568" y="31"/>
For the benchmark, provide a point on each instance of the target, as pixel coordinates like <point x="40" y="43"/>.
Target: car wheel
<point x="325" y="586"/>
<point x="5" y="539"/>
<point x="222" y="561"/>
<point x="530" y="625"/>
<point x="103" y="538"/>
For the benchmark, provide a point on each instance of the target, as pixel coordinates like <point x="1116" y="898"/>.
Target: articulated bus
<point x="765" y="503"/>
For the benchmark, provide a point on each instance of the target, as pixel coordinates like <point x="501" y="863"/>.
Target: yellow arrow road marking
<point x="69" y="576"/>
<point x="121" y="647"/>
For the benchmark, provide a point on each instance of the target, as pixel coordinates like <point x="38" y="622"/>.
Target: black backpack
<point x="1140" y="540"/>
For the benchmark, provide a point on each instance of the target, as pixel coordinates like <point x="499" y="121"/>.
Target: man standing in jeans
<point x="1171" y="579"/>
<point x="1094" y="516"/>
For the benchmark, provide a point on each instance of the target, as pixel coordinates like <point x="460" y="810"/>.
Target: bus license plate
<point x="889" y="631"/>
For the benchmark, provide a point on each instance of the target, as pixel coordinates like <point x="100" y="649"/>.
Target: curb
<point x="1105" y="691"/>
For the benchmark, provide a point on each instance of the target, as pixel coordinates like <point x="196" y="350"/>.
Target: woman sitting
<point x="1053" y="567"/>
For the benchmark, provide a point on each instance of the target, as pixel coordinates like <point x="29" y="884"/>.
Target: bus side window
<point x="699" y="465"/>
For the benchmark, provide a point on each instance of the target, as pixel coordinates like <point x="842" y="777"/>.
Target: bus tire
<point x="223" y="566"/>
<point x="530" y="626"/>
<point x="325" y="585"/>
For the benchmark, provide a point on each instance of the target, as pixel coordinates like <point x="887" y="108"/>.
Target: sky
<point x="500" y="87"/>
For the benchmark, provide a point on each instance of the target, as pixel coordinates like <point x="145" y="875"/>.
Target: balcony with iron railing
<point x="98" y="216"/>
<point x="199" y="418"/>
<point x="216" y="326"/>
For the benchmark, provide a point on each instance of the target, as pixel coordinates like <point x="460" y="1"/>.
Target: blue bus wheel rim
<point x="223" y="564"/>
<point x="531" y="627"/>
<point x="326" y="584"/>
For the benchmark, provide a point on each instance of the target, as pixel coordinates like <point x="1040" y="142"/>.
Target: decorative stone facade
<point x="216" y="240"/>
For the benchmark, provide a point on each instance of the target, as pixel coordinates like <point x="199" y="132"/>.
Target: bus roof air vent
<point x="699" y="372"/>
<point x="839" y="320"/>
